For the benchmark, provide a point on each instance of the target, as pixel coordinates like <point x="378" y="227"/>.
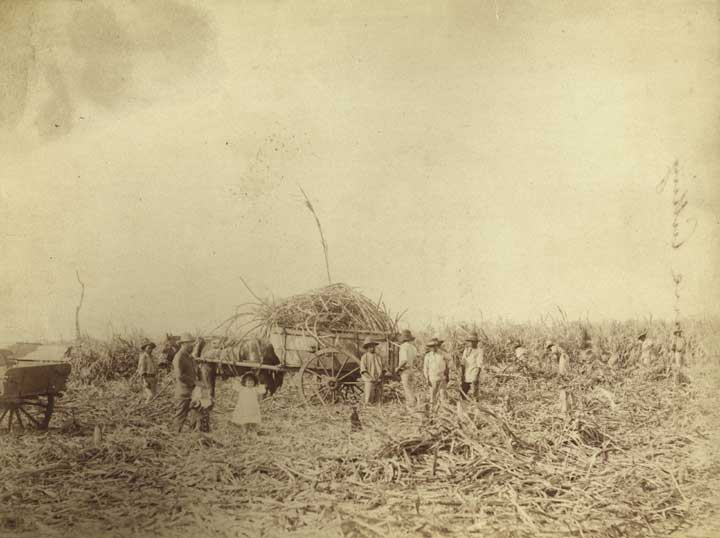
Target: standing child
<point x="247" y="409"/>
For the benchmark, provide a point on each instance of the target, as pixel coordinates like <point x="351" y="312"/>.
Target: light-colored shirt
<point x="563" y="361"/>
<point x="679" y="344"/>
<point x="647" y="351"/>
<point x="472" y="360"/>
<point x="371" y="367"/>
<point x="147" y="364"/>
<point x="407" y="356"/>
<point x="435" y="366"/>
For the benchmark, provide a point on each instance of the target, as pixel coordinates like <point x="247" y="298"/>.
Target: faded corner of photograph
<point x="360" y="270"/>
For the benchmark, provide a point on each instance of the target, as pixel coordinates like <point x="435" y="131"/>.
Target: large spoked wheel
<point x="28" y="412"/>
<point x="331" y="376"/>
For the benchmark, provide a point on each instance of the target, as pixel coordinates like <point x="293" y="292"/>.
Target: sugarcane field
<point x="359" y="269"/>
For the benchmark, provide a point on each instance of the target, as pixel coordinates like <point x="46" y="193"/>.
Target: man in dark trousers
<point x="185" y="374"/>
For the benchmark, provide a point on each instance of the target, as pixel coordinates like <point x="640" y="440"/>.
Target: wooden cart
<point x="28" y="391"/>
<point x="326" y="365"/>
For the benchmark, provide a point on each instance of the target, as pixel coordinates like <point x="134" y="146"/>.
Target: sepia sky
<point x="468" y="160"/>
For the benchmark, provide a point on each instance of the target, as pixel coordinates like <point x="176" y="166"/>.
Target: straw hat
<point x="186" y="338"/>
<point x="406" y="336"/>
<point x="677" y="330"/>
<point x="642" y="334"/>
<point x="145" y="342"/>
<point x="472" y="337"/>
<point x="434" y="342"/>
<point x="369" y="341"/>
<point x="549" y="343"/>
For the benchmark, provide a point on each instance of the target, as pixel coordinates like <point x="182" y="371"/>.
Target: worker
<point x="185" y="375"/>
<point x="560" y="358"/>
<point x="407" y="358"/>
<point x="471" y="364"/>
<point x="148" y="369"/>
<point x="371" y="371"/>
<point x="548" y="358"/>
<point x="436" y="371"/>
<point x="679" y="346"/>
<point x="647" y="349"/>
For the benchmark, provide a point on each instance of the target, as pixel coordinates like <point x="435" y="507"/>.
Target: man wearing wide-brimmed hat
<point x="407" y="358"/>
<point x="371" y="371"/>
<point x="147" y="369"/>
<point x="185" y="374"/>
<point x="679" y="346"/>
<point x="436" y="370"/>
<point x="471" y="364"/>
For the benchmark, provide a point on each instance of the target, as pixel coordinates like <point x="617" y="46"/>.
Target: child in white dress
<point x="247" y="409"/>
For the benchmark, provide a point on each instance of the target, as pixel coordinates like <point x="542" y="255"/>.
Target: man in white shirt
<point x="471" y="363"/>
<point x="407" y="357"/>
<point x="435" y="370"/>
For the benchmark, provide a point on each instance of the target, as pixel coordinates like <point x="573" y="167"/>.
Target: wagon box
<point x="327" y="363"/>
<point x="33" y="380"/>
<point x="28" y="391"/>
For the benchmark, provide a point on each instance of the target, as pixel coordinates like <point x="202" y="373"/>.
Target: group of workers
<point x="184" y="369"/>
<point x="435" y="368"/>
<point x="436" y="364"/>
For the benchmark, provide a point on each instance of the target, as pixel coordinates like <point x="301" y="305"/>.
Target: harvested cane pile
<point x="337" y="307"/>
<point x="619" y="463"/>
<point x="598" y="473"/>
<point x="511" y="466"/>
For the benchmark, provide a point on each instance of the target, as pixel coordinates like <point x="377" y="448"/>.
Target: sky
<point x="468" y="160"/>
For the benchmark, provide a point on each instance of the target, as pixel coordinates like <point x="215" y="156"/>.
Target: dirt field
<point x="645" y="464"/>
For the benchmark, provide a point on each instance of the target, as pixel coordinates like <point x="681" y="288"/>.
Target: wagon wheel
<point x="330" y="376"/>
<point x="30" y="411"/>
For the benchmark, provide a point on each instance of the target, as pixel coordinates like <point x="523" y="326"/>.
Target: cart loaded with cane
<point x="316" y="336"/>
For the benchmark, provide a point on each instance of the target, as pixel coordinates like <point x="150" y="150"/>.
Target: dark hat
<point x="145" y="342"/>
<point x="549" y="343"/>
<point x="406" y="336"/>
<point x="472" y="337"/>
<point x="369" y="341"/>
<point x="434" y="342"/>
<point x="642" y="334"/>
<point x="248" y="375"/>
